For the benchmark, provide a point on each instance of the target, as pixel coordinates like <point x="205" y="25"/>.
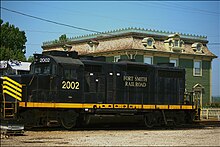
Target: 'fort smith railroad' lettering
<point x="134" y="81"/>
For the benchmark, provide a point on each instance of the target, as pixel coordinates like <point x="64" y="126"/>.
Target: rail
<point x="210" y="113"/>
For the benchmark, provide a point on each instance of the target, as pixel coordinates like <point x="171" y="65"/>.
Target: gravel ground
<point x="209" y="135"/>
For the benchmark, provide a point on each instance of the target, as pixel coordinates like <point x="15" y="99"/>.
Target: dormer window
<point x="148" y="43"/>
<point x="174" y="43"/>
<point x="93" y="44"/>
<point x="197" y="47"/>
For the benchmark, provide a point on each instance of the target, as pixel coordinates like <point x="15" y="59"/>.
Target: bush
<point x="212" y="105"/>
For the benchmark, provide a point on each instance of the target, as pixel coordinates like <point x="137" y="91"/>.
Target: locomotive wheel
<point x="148" y="121"/>
<point x="68" y="119"/>
<point x="189" y="118"/>
<point x="178" y="121"/>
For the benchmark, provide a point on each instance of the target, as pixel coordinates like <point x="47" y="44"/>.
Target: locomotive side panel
<point x="71" y="85"/>
<point x="170" y="86"/>
<point x="135" y="83"/>
<point x="94" y="81"/>
<point x="110" y="83"/>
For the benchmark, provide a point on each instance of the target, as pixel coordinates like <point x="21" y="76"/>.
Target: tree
<point x="12" y="42"/>
<point x="63" y="38"/>
<point x="30" y="59"/>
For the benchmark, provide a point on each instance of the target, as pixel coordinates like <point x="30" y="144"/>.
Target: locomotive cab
<point x="56" y="78"/>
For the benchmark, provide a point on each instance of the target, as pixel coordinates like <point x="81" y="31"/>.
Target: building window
<point x="176" y="43"/>
<point x="197" y="47"/>
<point x="93" y="44"/>
<point x="175" y="61"/>
<point x="148" y="42"/>
<point x="148" y="59"/>
<point x="197" y="70"/>
<point x="116" y="58"/>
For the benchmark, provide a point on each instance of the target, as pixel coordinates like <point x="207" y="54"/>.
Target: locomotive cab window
<point x="43" y="65"/>
<point x="41" y="69"/>
<point x="70" y="74"/>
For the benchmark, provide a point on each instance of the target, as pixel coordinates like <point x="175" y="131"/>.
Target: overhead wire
<point x="67" y="25"/>
<point x="40" y="31"/>
<point x="108" y="17"/>
<point x="97" y="15"/>
<point x="186" y="8"/>
<point x="192" y="8"/>
<point x="214" y="43"/>
<point x="54" y="22"/>
<point x="78" y="11"/>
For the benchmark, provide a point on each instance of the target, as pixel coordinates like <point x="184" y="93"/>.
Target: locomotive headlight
<point x="96" y="80"/>
<point x="86" y="109"/>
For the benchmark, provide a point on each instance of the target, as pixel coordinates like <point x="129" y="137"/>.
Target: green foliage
<point x="12" y="42"/>
<point x="63" y="38"/>
<point x="215" y="102"/>
<point x="213" y="105"/>
<point x="30" y="59"/>
<point x="216" y="99"/>
<point x="6" y="54"/>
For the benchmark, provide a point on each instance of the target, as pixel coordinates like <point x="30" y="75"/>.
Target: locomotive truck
<point x="67" y="89"/>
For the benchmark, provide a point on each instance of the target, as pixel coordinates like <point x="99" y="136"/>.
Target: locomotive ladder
<point x="9" y="110"/>
<point x="11" y="93"/>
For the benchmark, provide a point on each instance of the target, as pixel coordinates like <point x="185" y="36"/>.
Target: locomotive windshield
<point x="43" y="65"/>
<point x="42" y="69"/>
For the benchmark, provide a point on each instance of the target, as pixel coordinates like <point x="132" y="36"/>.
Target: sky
<point x="190" y="17"/>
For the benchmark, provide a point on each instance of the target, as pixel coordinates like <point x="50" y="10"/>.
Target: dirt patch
<point x="206" y="136"/>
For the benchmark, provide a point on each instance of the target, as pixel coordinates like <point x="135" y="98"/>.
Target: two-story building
<point x="151" y="46"/>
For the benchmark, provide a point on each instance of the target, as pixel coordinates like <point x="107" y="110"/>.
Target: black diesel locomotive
<point x="67" y="89"/>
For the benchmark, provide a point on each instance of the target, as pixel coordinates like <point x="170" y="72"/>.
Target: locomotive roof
<point x="75" y="61"/>
<point x="66" y="60"/>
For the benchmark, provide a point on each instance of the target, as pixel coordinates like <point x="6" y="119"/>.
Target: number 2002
<point x="70" y="85"/>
